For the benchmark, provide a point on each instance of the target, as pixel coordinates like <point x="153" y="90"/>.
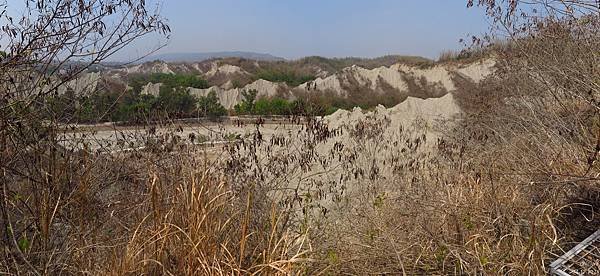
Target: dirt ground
<point x="109" y="137"/>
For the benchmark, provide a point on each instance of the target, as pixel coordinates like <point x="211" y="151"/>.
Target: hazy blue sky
<point x="332" y="28"/>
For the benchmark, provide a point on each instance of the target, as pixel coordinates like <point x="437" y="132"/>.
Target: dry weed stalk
<point x="202" y="227"/>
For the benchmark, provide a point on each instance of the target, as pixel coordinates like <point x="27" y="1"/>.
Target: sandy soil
<point x="121" y="138"/>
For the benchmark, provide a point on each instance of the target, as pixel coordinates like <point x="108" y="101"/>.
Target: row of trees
<point x="251" y="105"/>
<point x="131" y="106"/>
<point x="116" y="102"/>
<point x="172" y="102"/>
<point x="168" y="80"/>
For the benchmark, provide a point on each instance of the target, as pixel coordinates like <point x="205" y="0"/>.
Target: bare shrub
<point x="72" y="203"/>
<point x="448" y="55"/>
<point x="45" y="186"/>
<point x="421" y="88"/>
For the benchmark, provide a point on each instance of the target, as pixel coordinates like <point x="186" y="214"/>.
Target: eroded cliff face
<point x="230" y="97"/>
<point x="406" y="80"/>
<point x="230" y="80"/>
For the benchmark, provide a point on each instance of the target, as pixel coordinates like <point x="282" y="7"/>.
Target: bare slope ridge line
<point x="228" y="80"/>
<point x="429" y="111"/>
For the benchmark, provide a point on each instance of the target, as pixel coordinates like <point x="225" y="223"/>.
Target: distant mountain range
<point x="196" y="57"/>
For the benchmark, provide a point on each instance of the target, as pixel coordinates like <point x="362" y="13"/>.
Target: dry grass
<point x="504" y="190"/>
<point x="154" y="215"/>
<point x="203" y="229"/>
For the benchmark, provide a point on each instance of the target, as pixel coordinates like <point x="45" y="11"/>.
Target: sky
<point x="330" y="28"/>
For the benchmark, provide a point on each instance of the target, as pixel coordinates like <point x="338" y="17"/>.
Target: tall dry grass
<point x="203" y="228"/>
<point x="503" y="190"/>
<point x="153" y="214"/>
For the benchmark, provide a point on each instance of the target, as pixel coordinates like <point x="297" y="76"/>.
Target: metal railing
<point x="583" y="259"/>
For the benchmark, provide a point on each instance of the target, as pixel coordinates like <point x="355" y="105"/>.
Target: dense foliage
<point x="250" y="105"/>
<point x="209" y="106"/>
<point x="290" y="77"/>
<point x="118" y="104"/>
<point x="169" y="80"/>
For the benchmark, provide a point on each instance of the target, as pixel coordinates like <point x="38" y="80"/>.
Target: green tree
<point x="168" y="80"/>
<point x="178" y="80"/>
<point x="280" y="106"/>
<point x="248" y="102"/>
<point x="291" y="78"/>
<point x="262" y="107"/>
<point x="175" y="102"/>
<point x="210" y="106"/>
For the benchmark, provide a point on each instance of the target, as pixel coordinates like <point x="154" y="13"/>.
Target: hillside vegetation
<point x="314" y="64"/>
<point x="170" y="87"/>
